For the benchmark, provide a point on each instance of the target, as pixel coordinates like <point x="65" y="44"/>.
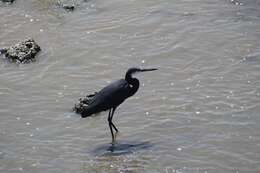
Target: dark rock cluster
<point x="68" y="5"/>
<point x="83" y="103"/>
<point x="22" y="52"/>
<point x="8" y="1"/>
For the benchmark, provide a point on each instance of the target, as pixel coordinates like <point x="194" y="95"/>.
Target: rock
<point x="8" y="1"/>
<point x="68" y="7"/>
<point x="22" y="52"/>
<point x="3" y="51"/>
<point x="83" y="103"/>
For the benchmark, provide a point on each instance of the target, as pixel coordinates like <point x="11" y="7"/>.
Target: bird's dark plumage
<point x="111" y="96"/>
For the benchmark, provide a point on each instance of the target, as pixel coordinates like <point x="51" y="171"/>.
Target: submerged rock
<point x="68" y="7"/>
<point x="66" y="4"/>
<point x="3" y="51"/>
<point x="83" y="103"/>
<point x="8" y="1"/>
<point x="22" y="52"/>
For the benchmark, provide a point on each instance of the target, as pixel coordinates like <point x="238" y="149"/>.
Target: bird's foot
<point x="117" y="133"/>
<point x="114" y="139"/>
<point x="113" y="142"/>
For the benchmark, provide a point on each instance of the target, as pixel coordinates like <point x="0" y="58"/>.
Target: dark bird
<point x="110" y="97"/>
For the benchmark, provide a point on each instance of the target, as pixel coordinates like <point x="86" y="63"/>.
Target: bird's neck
<point x="134" y="84"/>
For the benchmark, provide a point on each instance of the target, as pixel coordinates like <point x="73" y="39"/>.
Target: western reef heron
<point x="111" y="96"/>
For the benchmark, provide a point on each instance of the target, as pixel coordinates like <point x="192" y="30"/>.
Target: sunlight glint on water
<point x="198" y="113"/>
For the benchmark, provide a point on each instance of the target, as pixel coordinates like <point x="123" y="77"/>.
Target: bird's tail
<point x="87" y="112"/>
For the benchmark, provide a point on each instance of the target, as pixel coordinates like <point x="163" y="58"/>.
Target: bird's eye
<point x="131" y="86"/>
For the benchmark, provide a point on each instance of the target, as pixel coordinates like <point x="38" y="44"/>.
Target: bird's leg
<point x="109" y="119"/>
<point x="111" y="116"/>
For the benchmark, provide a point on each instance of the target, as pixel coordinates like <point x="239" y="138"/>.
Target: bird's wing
<point x="111" y="96"/>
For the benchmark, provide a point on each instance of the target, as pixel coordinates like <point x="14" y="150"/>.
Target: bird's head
<point x="134" y="70"/>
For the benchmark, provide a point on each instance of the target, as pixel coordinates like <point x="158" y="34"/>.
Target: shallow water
<point x="198" y="113"/>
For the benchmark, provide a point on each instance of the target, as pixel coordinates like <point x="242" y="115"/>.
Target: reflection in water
<point x="119" y="157"/>
<point x="121" y="148"/>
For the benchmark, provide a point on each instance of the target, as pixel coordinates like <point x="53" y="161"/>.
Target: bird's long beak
<point x="148" y="69"/>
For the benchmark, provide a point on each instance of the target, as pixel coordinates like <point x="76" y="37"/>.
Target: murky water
<point x="198" y="113"/>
